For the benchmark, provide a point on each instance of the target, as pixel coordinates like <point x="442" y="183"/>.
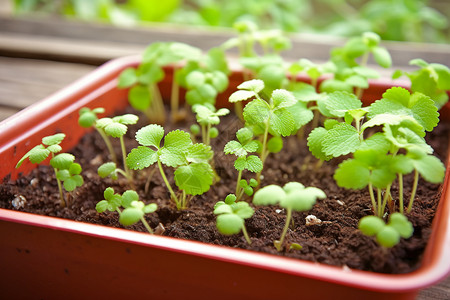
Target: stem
<point x="379" y="202"/>
<point x="208" y="138"/>
<point x="172" y="193"/>
<point x="108" y="144"/>
<point x="237" y="183"/>
<point x="149" y="229"/>
<point x="61" y="195"/>
<point x="372" y="198"/>
<point x="157" y="104"/>
<point x="264" y="150"/>
<point x="386" y="198"/>
<point x="286" y="226"/>
<point x="414" y="190"/>
<point x="238" y="110"/>
<point x="247" y="238"/>
<point x="203" y="133"/>
<point x="183" y="200"/>
<point x="400" y="192"/>
<point x="124" y="158"/>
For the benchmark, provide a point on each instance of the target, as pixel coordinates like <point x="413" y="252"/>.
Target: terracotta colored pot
<point x="50" y="258"/>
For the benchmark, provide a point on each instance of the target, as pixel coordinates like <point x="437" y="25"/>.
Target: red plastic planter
<point x="50" y="258"/>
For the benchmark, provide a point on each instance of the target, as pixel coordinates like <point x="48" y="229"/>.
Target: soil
<point x="337" y="241"/>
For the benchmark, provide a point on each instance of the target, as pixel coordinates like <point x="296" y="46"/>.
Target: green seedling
<point x="431" y="79"/>
<point x="241" y="148"/>
<point x="293" y="197"/>
<point x="387" y="235"/>
<point x="231" y="216"/>
<point x="134" y="210"/>
<point x="248" y="187"/>
<point x="193" y="174"/>
<point x="207" y="117"/>
<point x="117" y="127"/>
<point x="66" y="170"/>
<point x="144" y="94"/>
<point x="88" y="118"/>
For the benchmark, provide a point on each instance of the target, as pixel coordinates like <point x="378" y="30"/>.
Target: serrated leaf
<point x="254" y="85"/>
<point x="150" y="135"/>
<point x="54" y="148"/>
<point x="282" y="122"/>
<point x="141" y="157"/>
<point x="53" y="139"/>
<point x="229" y="224"/>
<point x="130" y="216"/>
<point x="340" y="140"/>
<point x="175" y="144"/>
<point x="195" y="178"/>
<point x="241" y="95"/>
<point x="301" y="114"/>
<point x="282" y="98"/>
<point x="254" y="164"/>
<point x="62" y="161"/>
<point x="377" y="142"/>
<point x="38" y="154"/>
<point x="198" y="153"/>
<point x="338" y="103"/>
<point x="315" y="139"/>
<point x="240" y="163"/>
<point x="256" y="113"/>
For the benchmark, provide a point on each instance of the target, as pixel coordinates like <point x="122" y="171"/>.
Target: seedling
<point x="134" y="210"/>
<point x="207" y="116"/>
<point x="66" y="170"/>
<point x="88" y="118"/>
<point x="193" y="174"/>
<point x="231" y="216"/>
<point x="387" y="235"/>
<point x="117" y="127"/>
<point x="432" y="80"/>
<point x="241" y="148"/>
<point x="293" y="197"/>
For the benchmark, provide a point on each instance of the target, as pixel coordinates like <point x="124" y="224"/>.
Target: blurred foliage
<point x="401" y="20"/>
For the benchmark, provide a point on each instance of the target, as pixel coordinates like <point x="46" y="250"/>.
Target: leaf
<point x="101" y="206"/>
<point x="53" y="139"/>
<point x="222" y="208"/>
<point x="229" y="224"/>
<point x="430" y="168"/>
<point x="269" y="195"/>
<point x="152" y="207"/>
<point x="127" y="119"/>
<point x="371" y="225"/>
<point x="388" y="237"/>
<point x="139" y="97"/>
<point x="195" y="79"/>
<point x="63" y="174"/>
<point x="352" y="174"/>
<point x="75" y="169"/>
<point x="130" y="216"/>
<point x="175" y="144"/>
<point x="256" y="113"/>
<point x="116" y="130"/>
<point x="70" y="184"/>
<point x="243" y="210"/>
<point x="254" y="85"/>
<point x="54" y="148"/>
<point x="128" y="197"/>
<point x="62" y="161"/>
<point x="382" y="57"/>
<point x="398" y="101"/>
<point x="195" y="178"/>
<point x="298" y="200"/>
<point x="107" y="169"/>
<point x="141" y="157"/>
<point x="301" y="114"/>
<point x="127" y="78"/>
<point x="198" y="153"/>
<point x="150" y="135"/>
<point x="282" y="98"/>
<point x="401" y="224"/>
<point x="274" y="145"/>
<point x="241" y="96"/>
<point x="338" y="103"/>
<point x="340" y="140"/>
<point x="254" y="164"/>
<point x="282" y="122"/>
<point x="36" y="155"/>
<point x="244" y="135"/>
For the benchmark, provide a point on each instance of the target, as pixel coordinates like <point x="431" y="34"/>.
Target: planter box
<point x="61" y="259"/>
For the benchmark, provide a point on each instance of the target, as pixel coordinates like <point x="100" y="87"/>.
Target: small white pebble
<point x="278" y="210"/>
<point x="19" y="201"/>
<point x="96" y="160"/>
<point x="345" y="268"/>
<point x="261" y="177"/>
<point x="34" y="182"/>
<point x="312" y="220"/>
<point x="340" y="202"/>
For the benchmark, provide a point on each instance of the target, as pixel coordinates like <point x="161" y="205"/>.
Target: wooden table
<point x="39" y="57"/>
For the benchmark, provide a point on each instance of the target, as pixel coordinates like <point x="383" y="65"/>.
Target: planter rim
<point x="436" y="268"/>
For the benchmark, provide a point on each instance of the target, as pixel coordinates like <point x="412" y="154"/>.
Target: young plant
<point x="88" y="118"/>
<point x="66" y="170"/>
<point x="207" y="117"/>
<point x="117" y="127"/>
<point x="193" y="174"/>
<point x="231" y="216"/>
<point x="134" y="210"/>
<point x="387" y="235"/>
<point x="241" y="148"/>
<point x="293" y="197"/>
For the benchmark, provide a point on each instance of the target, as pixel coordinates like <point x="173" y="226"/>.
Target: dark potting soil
<point x="337" y="241"/>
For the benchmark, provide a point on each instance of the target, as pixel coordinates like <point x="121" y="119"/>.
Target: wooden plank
<point x="440" y="291"/>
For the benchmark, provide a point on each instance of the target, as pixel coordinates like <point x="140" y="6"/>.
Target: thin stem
<point x="387" y="196"/>
<point x="286" y="226"/>
<point x="108" y="144"/>
<point x="247" y="238"/>
<point x="172" y="193"/>
<point x="238" y="110"/>
<point x="203" y="133"/>
<point x="372" y="198"/>
<point x="149" y="229"/>
<point x="379" y="202"/>
<point x="124" y="158"/>
<point x="61" y="195"/>
<point x="208" y="138"/>
<point x="237" y="183"/>
<point x="400" y="193"/>
<point x="414" y="190"/>
<point x="264" y="150"/>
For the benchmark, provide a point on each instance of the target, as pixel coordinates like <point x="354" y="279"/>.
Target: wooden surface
<point x="38" y="60"/>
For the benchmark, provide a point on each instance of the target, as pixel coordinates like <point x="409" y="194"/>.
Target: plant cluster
<point x="382" y="142"/>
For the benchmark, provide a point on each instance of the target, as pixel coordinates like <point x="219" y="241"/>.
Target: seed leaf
<point x="269" y="195"/>
<point x="130" y="216"/>
<point x="345" y="174"/>
<point x="128" y="197"/>
<point x="195" y="178"/>
<point x="139" y="97"/>
<point x="107" y="169"/>
<point x="229" y="224"/>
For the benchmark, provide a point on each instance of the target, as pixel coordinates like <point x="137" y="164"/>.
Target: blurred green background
<point x="399" y="20"/>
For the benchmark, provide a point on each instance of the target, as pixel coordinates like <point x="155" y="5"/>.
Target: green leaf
<point x="229" y="224"/>
<point x="352" y="174"/>
<point x="282" y="122"/>
<point x="254" y="164"/>
<point x="301" y="114"/>
<point x="256" y="113"/>
<point x="269" y="195"/>
<point x="70" y="184"/>
<point x="298" y="200"/>
<point x="195" y="178"/>
<point x="430" y="168"/>
<point x="241" y="96"/>
<point x="275" y="144"/>
<point x="340" y="140"/>
<point x="401" y="224"/>
<point x="54" y="148"/>
<point x="219" y="80"/>
<point x="243" y="210"/>
<point x="116" y="130"/>
<point x="339" y="102"/>
<point x="152" y="207"/>
<point x="175" y="144"/>
<point x="127" y="119"/>
<point x="141" y="157"/>
<point x="150" y="135"/>
<point x="315" y="140"/>
<point x="62" y="161"/>
<point x="371" y="225"/>
<point x="130" y="216"/>
<point x="139" y="97"/>
<point x="53" y="139"/>
<point x="282" y="98"/>
<point x="108" y="193"/>
<point x="382" y="57"/>
<point x="127" y="78"/>
<point x="128" y="197"/>
<point x="75" y="169"/>
<point x="63" y="174"/>
<point x="107" y="169"/>
<point x="388" y="237"/>
<point x="195" y="79"/>
<point x="254" y="85"/>
<point x="101" y="206"/>
<point x="198" y="153"/>
<point x="205" y="93"/>
<point x="222" y="208"/>
<point x="244" y="135"/>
